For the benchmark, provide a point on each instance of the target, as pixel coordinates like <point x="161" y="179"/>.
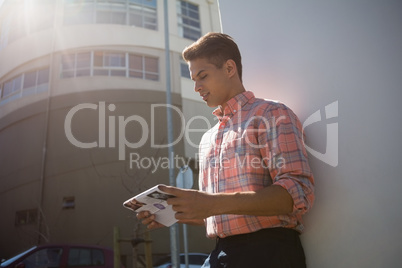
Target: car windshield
<point x="7" y="262"/>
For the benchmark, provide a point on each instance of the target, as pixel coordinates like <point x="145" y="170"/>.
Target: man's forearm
<point x="270" y="201"/>
<point x="196" y="205"/>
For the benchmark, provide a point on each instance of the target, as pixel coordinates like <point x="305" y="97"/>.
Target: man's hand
<point x="148" y="219"/>
<point x="190" y="205"/>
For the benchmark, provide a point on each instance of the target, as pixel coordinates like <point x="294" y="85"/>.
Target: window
<point x="12" y="86"/>
<point x="139" y="13"/>
<point x="136" y="66"/>
<point x="47" y="257"/>
<point x="75" y="65"/>
<point x="35" y="82"/>
<point x="151" y="68"/>
<point x="103" y="63"/>
<point x="30" y="79"/>
<point x="115" y="60"/>
<point x="25" y="217"/>
<point x="142" y="13"/>
<point x="111" y="12"/>
<point x="28" y="83"/>
<point x="83" y="64"/>
<point x="68" y="202"/>
<point x="189" y="20"/>
<point x="85" y="257"/>
<point x="43" y="77"/>
<point x="110" y="63"/>
<point x="79" y="12"/>
<point x="144" y="67"/>
<point x="184" y="71"/>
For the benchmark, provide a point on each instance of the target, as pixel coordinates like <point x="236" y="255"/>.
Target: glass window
<point x="7" y="88"/>
<point x="80" y="12"/>
<point x="30" y="79"/>
<point x="79" y="257"/>
<point x="135" y="17"/>
<point x="85" y="257"/>
<point x="149" y="20"/>
<point x="118" y="18"/>
<point x="12" y="86"/>
<point x="151" y="64"/>
<point x="28" y="83"/>
<point x="43" y="76"/>
<point x="68" y="202"/>
<point x="67" y="65"/>
<point x="47" y="257"/>
<point x="151" y="68"/>
<point x="135" y="62"/>
<point x="68" y="62"/>
<point x="98" y="59"/>
<point x="103" y="17"/>
<point x="149" y="3"/>
<point x="140" y="13"/>
<point x="98" y="258"/>
<point x="114" y="59"/>
<point x="184" y="71"/>
<point x="101" y="63"/>
<point x="17" y="83"/>
<point x="26" y="217"/>
<point x="189" y="20"/>
<point x="83" y="60"/>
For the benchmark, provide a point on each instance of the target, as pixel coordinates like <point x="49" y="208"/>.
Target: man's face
<point x="210" y="82"/>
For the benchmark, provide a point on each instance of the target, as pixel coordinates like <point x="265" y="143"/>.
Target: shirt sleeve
<point x="281" y="135"/>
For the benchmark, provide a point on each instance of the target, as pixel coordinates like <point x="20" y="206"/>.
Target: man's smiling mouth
<point x="204" y="96"/>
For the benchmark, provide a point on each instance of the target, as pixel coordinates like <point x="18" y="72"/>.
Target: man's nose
<point x="197" y="86"/>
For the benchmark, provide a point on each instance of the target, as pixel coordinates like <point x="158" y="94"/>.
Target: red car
<point x="63" y="256"/>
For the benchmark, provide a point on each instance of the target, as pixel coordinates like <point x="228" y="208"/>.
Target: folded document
<point x="154" y="201"/>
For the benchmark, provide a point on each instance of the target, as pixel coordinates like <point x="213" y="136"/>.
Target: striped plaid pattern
<point x="256" y="143"/>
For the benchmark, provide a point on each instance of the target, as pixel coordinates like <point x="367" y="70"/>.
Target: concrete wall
<point x="310" y="54"/>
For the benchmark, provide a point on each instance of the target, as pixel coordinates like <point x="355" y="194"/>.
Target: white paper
<point x="154" y="201"/>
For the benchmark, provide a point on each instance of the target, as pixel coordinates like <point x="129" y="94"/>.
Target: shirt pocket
<point x="238" y="154"/>
<point x="242" y="167"/>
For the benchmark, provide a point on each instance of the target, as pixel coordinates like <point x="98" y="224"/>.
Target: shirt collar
<point x="234" y="104"/>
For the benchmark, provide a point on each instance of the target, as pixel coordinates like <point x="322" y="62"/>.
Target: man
<point x="255" y="181"/>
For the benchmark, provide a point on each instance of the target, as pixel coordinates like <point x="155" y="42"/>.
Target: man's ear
<point x="231" y="67"/>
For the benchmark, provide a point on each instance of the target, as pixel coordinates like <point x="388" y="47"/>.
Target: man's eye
<point x="203" y="77"/>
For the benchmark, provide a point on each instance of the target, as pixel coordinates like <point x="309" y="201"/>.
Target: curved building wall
<point x="82" y="108"/>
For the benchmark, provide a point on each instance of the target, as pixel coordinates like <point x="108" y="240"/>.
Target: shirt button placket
<point x="217" y="153"/>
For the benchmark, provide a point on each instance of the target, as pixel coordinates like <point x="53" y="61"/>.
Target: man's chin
<point x="211" y="105"/>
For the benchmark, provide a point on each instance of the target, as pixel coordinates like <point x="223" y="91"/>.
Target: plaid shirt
<point x="255" y="144"/>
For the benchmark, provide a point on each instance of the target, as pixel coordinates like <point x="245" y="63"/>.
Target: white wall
<point x="309" y="54"/>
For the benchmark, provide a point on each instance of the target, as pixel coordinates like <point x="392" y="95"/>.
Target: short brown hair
<point x="216" y="48"/>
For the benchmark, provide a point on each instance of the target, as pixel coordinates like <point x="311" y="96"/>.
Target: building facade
<point x="83" y="116"/>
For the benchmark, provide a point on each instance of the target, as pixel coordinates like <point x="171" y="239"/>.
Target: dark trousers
<point x="267" y="248"/>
